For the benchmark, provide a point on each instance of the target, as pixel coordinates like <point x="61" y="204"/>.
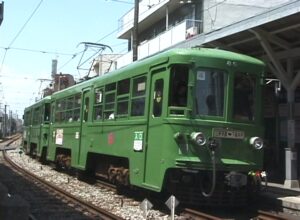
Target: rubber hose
<point x="213" y="159"/>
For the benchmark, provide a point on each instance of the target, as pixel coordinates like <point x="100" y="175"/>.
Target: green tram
<point x="36" y="128"/>
<point x="186" y="122"/>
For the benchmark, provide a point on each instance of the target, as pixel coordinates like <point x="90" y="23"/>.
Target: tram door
<point x="155" y="134"/>
<point x="85" y="115"/>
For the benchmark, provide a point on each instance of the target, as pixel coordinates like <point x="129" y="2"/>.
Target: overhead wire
<point x="18" y="34"/>
<point x="22" y="28"/>
<point x="121" y="1"/>
<point x="37" y="51"/>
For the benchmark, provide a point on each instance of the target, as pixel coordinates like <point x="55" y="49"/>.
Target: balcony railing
<point x="174" y="35"/>
<point x="146" y="8"/>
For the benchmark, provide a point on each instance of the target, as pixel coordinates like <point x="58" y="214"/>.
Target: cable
<point x="3" y="59"/>
<point x="120" y="1"/>
<point x="18" y="34"/>
<point x="37" y="51"/>
<point x="74" y="55"/>
<point x="107" y="35"/>
<point x="20" y="31"/>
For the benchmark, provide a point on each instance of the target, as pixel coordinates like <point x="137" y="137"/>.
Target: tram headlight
<point x="257" y="142"/>
<point x="198" y="138"/>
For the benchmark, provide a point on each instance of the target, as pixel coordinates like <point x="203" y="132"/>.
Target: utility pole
<point x="10" y="123"/>
<point x="5" y="121"/>
<point x="1" y="12"/>
<point x="135" y="31"/>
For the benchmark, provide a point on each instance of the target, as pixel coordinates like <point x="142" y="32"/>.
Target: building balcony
<point x="174" y="35"/>
<point x="150" y="11"/>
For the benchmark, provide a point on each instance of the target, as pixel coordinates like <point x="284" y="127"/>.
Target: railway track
<point x="54" y="200"/>
<point x="64" y="205"/>
<point x="193" y="214"/>
<point x="263" y="215"/>
<point x="7" y="141"/>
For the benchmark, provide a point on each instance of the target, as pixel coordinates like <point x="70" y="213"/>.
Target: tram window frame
<point x="138" y="96"/>
<point x="244" y="96"/>
<point x="123" y="87"/>
<point x="158" y="98"/>
<point x="27" y="120"/>
<point x="210" y="92"/>
<point x="77" y="107"/>
<point x="86" y="108"/>
<point x="98" y="104"/>
<point x="123" y="92"/>
<point x="109" y="101"/>
<point x="47" y="112"/>
<point x="68" y="109"/>
<point x="59" y="113"/>
<point x="37" y="116"/>
<point x="179" y="78"/>
<point x="69" y="106"/>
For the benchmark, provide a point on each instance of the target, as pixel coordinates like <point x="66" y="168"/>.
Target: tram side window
<point x="27" y="118"/>
<point x="123" y="97"/>
<point x="77" y="105"/>
<point x="68" y="109"/>
<point x="47" y="112"/>
<point x="53" y="113"/>
<point x="86" y="108"/>
<point x="59" y="114"/>
<point x="138" y="96"/>
<point x="98" y="104"/>
<point x="109" y="101"/>
<point x="158" y="97"/>
<point x="36" y="118"/>
<point x="178" y="85"/>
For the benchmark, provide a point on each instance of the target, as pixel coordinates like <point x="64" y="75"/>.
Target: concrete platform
<point x="287" y="198"/>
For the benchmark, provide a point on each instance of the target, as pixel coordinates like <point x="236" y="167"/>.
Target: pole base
<point x="291" y="184"/>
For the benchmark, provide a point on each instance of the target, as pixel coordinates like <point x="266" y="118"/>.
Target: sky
<point x="34" y="32"/>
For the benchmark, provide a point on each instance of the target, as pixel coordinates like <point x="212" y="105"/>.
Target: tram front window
<point x="244" y="96"/>
<point x="210" y="92"/>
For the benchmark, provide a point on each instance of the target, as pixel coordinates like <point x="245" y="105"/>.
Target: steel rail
<point x="193" y="214"/>
<point x="102" y="213"/>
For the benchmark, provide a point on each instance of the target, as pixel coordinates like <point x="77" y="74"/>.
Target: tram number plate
<point x="225" y="133"/>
